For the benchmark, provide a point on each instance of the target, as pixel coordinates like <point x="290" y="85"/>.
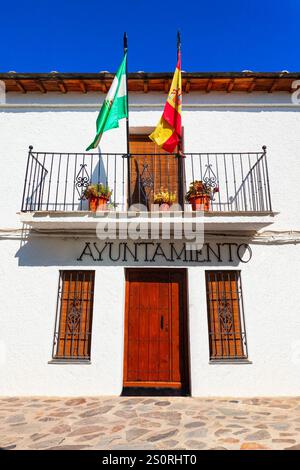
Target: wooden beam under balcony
<point x="82" y="86"/>
<point x="273" y="87"/>
<point x="209" y="85"/>
<point x="62" y="86"/>
<point x="252" y="86"/>
<point x="146" y="86"/>
<point x="230" y="85"/>
<point x="167" y="85"/>
<point x="20" y="86"/>
<point x="40" y="86"/>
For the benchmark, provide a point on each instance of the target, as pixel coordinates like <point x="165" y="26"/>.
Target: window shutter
<point x="152" y="170"/>
<point x="227" y="337"/>
<point x="72" y="338"/>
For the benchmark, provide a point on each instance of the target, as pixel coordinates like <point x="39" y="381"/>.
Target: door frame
<point x="185" y="344"/>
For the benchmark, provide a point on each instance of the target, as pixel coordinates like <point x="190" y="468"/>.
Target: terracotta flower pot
<point x="201" y="203"/>
<point x="164" y="207"/>
<point x="97" y="203"/>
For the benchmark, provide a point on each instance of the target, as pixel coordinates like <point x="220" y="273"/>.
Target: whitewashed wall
<point x="61" y="123"/>
<point x="28" y="287"/>
<point x="28" y="305"/>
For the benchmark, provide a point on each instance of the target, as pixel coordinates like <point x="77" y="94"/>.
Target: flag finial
<point x="125" y="41"/>
<point x="178" y="41"/>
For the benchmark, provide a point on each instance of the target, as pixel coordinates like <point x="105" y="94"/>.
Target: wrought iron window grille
<point x="74" y="312"/>
<point x="226" y="322"/>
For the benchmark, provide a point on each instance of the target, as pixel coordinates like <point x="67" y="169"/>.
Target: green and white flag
<point x="114" y="107"/>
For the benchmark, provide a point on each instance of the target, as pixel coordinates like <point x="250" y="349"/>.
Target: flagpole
<point x="180" y="149"/>
<point x="127" y="122"/>
<point x="178" y="42"/>
<point x="180" y="146"/>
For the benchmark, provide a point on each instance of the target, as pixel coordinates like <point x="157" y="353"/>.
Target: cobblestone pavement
<point x="149" y="423"/>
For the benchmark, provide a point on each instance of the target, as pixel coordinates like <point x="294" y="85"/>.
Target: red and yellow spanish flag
<point x="168" y="132"/>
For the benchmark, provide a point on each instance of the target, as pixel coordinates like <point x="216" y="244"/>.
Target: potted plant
<point x="165" y="199"/>
<point x="98" y="196"/>
<point x="200" y="195"/>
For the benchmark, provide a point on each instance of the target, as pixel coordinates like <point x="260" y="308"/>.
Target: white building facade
<point x="145" y="312"/>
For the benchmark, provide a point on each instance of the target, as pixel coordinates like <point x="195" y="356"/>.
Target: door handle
<point x="161" y="322"/>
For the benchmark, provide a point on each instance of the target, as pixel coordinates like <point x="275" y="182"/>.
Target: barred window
<point x="73" y="326"/>
<point x="227" y="336"/>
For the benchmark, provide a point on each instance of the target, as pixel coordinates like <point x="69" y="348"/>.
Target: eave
<point x="207" y="82"/>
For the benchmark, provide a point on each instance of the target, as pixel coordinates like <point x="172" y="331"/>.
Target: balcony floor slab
<point x="85" y="221"/>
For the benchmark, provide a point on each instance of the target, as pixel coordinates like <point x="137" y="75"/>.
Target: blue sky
<point x="86" y="36"/>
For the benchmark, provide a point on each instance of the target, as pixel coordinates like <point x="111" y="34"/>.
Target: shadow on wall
<point x="77" y="253"/>
<point x="90" y="174"/>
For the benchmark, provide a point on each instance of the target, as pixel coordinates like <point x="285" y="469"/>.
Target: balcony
<point x="53" y="195"/>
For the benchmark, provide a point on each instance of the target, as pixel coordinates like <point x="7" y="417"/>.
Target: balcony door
<point x="152" y="169"/>
<point x="155" y="356"/>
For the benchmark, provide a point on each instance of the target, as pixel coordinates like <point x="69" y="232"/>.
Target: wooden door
<point x="151" y="170"/>
<point x="155" y="329"/>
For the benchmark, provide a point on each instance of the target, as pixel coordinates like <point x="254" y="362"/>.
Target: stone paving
<point x="149" y="423"/>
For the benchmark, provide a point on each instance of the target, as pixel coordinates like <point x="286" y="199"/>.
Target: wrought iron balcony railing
<point x="57" y="181"/>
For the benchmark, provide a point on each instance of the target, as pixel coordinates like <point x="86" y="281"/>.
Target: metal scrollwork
<point x="225" y="315"/>
<point x="73" y="317"/>
<point x="146" y="180"/>
<point x="82" y="180"/>
<point x="210" y="179"/>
